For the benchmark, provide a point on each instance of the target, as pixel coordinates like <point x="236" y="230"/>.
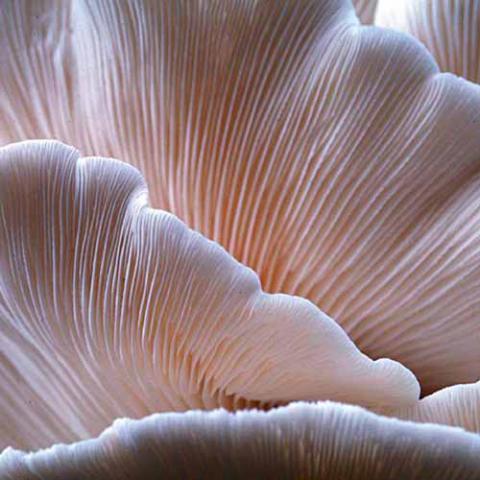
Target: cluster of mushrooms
<point x="239" y="239"/>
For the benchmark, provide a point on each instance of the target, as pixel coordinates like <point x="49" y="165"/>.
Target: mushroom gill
<point x="109" y="308"/>
<point x="313" y="442"/>
<point x="331" y="158"/>
<point x="458" y="406"/>
<point x="450" y="29"/>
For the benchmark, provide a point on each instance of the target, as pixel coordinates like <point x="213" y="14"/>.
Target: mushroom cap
<point x="110" y="308"/>
<point x="458" y="406"/>
<point x="321" y="441"/>
<point x="330" y="157"/>
<point x="450" y="29"/>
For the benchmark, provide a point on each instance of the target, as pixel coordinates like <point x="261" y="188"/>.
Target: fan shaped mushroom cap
<point x="109" y="308"/>
<point x="450" y="29"/>
<point x="331" y="158"/>
<point x="458" y="406"/>
<point x="322" y="442"/>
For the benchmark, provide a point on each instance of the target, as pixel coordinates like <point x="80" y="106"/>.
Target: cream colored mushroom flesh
<point x="264" y="202"/>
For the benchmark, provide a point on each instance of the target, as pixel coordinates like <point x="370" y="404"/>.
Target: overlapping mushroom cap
<point x="322" y="442"/>
<point x="111" y="309"/>
<point x="333" y="159"/>
<point x="450" y="29"/>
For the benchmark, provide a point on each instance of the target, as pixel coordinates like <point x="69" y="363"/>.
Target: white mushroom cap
<point x="458" y="406"/>
<point x="450" y="29"/>
<point x="109" y="308"/>
<point x="319" y="442"/>
<point x="331" y="158"/>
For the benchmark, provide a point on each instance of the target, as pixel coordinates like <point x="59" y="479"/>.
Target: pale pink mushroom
<point x="331" y="158"/>
<point x="450" y="29"/>
<point x="322" y="441"/>
<point x="458" y="406"/>
<point x="111" y="309"/>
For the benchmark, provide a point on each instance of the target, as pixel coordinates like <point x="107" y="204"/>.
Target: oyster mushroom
<point x="313" y="442"/>
<point x="458" y="406"/>
<point x="331" y="158"/>
<point x="110" y="308"/>
<point x="450" y="29"/>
